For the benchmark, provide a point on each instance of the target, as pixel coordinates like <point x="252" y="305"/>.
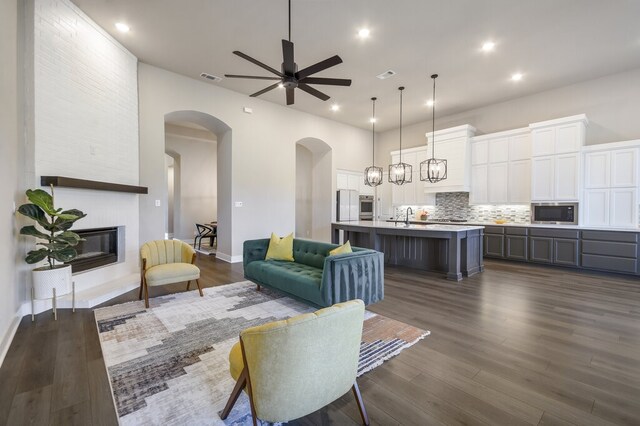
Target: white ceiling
<point x="552" y="42"/>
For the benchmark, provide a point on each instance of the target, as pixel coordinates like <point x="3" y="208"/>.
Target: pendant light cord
<point x="433" y="119"/>
<point x="401" y="89"/>
<point x="373" y="134"/>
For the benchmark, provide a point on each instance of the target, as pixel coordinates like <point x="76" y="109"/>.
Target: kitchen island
<point x="455" y="250"/>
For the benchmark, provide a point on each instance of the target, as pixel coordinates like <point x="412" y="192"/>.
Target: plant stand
<point x="53" y="301"/>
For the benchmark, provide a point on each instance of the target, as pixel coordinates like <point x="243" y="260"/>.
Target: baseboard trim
<point x="8" y="337"/>
<point x="228" y="258"/>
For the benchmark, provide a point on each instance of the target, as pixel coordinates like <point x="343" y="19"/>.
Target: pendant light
<point x="373" y="174"/>
<point x="400" y="173"/>
<point x="433" y="170"/>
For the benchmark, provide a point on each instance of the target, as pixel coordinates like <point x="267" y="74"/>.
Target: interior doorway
<point x="197" y="155"/>
<point x="313" y="189"/>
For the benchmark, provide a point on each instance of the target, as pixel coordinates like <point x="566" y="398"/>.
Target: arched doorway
<point x="313" y="189"/>
<point x="215" y="202"/>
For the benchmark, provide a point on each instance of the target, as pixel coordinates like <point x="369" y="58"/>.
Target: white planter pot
<point x="45" y="280"/>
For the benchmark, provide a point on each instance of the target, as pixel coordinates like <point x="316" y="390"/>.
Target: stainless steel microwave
<point x="555" y="213"/>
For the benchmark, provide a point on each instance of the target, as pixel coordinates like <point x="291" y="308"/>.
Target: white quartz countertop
<point x="413" y="226"/>
<point x="536" y="225"/>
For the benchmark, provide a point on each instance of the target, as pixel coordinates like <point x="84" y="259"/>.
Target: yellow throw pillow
<point x="280" y="248"/>
<point x="345" y="248"/>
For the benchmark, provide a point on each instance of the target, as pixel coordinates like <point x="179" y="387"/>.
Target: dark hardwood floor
<point x="517" y="344"/>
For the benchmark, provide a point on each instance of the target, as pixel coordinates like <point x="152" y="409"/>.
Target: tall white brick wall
<point x="86" y="123"/>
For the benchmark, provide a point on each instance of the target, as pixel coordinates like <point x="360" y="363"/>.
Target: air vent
<point x="210" y="77"/>
<point x="386" y="74"/>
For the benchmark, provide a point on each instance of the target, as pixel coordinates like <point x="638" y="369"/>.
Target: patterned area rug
<point x="168" y="365"/>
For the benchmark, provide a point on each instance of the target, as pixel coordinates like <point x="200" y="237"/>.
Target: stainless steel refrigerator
<point x="348" y="205"/>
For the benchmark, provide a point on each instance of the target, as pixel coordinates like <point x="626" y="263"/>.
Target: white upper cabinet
<point x="479" y="152"/>
<point x="499" y="150"/>
<point x="520" y="147"/>
<point x="556" y="163"/>
<point x="453" y="145"/>
<point x="542" y="171"/>
<point x="496" y="160"/>
<point x="611" y="184"/>
<point x="597" y="171"/>
<point x="348" y="179"/>
<point x="519" y="182"/>
<point x="497" y="176"/>
<point x="624" y="167"/>
<point x="342" y="180"/>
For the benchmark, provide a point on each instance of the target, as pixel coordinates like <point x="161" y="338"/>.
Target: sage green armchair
<point x="167" y="262"/>
<point x="293" y="367"/>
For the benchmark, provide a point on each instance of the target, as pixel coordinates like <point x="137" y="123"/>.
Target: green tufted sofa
<point x="314" y="276"/>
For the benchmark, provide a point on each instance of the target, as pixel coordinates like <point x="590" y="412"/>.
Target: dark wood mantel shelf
<point x="91" y="184"/>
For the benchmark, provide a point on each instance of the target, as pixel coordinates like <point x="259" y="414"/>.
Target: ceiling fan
<point x="289" y="77"/>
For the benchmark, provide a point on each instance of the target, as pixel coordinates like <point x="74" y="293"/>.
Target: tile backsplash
<point x="455" y="205"/>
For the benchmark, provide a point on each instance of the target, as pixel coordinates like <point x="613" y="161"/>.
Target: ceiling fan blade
<point x="255" y="77"/>
<point x="320" y="66"/>
<point x="310" y="90"/>
<point x="331" y="81"/>
<point x="290" y="95"/>
<point x="257" y="62"/>
<point x="265" y="90"/>
<point x="287" y="57"/>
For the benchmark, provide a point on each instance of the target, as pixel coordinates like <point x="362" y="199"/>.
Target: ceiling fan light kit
<point x="400" y="173"/>
<point x="433" y="169"/>
<point x="373" y="174"/>
<point x="289" y="77"/>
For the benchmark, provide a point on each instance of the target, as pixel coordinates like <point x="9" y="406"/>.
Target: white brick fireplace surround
<point x="85" y="125"/>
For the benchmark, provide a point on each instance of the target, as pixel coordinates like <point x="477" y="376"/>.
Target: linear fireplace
<point x="100" y="248"/>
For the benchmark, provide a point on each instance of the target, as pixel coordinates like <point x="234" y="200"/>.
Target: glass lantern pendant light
<point x="434" y="169"/>
<point x="373" y="174"/>
<point x="400" y="173"/>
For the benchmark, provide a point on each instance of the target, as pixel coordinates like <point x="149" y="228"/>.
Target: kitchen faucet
<point x="406" y="221"/>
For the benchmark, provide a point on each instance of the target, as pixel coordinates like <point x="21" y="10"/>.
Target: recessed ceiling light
<point x="517" y="76"/>
<point x="430" y="103"/>
<point x="488" y="46"/>
<point x="335" y="107"/>
<point x="364" y="33"/>
<point x="280" y="85"/>
<point x="123" y="28"/>
<point x="372" y="120"/>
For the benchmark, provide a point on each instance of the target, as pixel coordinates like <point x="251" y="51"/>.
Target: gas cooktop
<point x="448" y="220"/>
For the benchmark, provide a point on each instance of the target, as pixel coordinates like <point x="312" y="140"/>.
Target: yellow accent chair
<point x="293" y="367"/>
<point x="167" y="262"/>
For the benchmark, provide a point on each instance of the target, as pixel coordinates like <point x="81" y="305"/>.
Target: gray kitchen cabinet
<point x="541" y="249"/>
<point x="610" y="251"/>
<point x="516" y="247"/>
<point x="494" y="241"/>
<point x="565" y="252"/>
<point x="494" y="245"/>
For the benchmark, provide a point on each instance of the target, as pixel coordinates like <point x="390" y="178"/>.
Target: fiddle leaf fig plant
<point x="55" y="241"/>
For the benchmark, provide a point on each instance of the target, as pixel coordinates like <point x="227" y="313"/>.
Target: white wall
<point x="262" y="168"/>
<point x="85" y="123"/>
<point x="611" y="104"/>
<point x="197" y="185"/>
<point x="304" y="213"/>
<point x="13" y="293"/>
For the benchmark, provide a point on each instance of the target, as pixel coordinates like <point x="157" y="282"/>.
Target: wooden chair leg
<point x="141" y="287"/>
<point x="199" y="288"/>
<point x="188" y="284"/>
<point x="363" y="411"/>
<point x="146" y="295"/>
<point x="258" y="287"/>
<point x="237" y="390"/>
